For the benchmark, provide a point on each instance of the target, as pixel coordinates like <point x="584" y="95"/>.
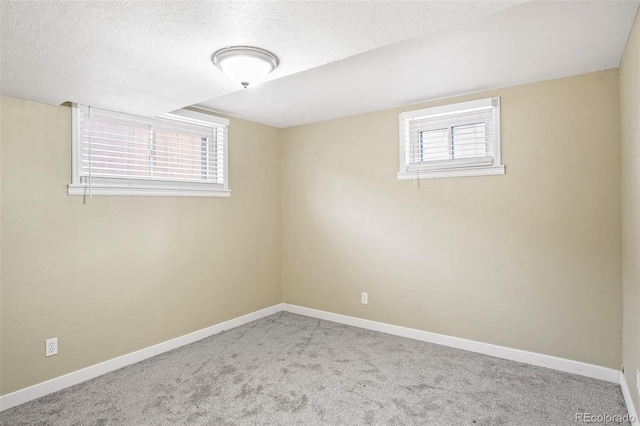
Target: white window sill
<point x="446" y="173"/>
<point x="146" y="191"/>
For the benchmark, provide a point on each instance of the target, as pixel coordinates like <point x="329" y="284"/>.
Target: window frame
<point x="471" y="166"/>
<point x="119" y="186"/>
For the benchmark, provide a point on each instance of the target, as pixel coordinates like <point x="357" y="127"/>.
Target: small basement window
<point x="452" y="140"/>
<point x="183" y="153"/>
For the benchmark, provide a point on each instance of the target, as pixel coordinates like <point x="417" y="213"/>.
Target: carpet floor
<point x="287" y="369"/>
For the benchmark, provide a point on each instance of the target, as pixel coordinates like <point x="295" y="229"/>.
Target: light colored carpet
<point x="287" y="369"/>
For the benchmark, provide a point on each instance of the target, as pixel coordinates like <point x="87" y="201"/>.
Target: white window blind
<point x="174" y="154"/>
<point x="451" y="137"/>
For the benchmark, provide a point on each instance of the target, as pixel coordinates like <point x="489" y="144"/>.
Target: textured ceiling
<point x="337" y="58"/>
<point x="150" y="57"/>
<point x="535" y="41"/>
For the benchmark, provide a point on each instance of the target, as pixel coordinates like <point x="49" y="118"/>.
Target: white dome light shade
<point x="245" y="64"/>
<point x="245" y="69"/>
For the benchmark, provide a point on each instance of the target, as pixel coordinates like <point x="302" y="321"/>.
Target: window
<point x="453" y="140"/>
<point x="179" y="154"/>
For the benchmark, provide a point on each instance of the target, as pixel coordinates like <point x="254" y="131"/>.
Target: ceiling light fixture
<point x="245" y="64"/>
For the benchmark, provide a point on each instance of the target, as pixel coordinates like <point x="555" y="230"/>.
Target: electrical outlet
<point x="638" y="381"/>
<point x="365" y="299"/>
<point x="51" y="347"/>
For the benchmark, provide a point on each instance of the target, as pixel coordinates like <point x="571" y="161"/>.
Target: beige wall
<point x="0" y="249"/>
<point x="630" y="123"/>
<point x="529" y="260"/>
<point x="122" y="273"/>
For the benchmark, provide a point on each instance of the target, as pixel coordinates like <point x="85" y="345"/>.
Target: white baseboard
<point x="627" y="399"/>
<point x="552" y="362"/>
<point x="59" y="383"/>
<point x="555" y="363"/>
